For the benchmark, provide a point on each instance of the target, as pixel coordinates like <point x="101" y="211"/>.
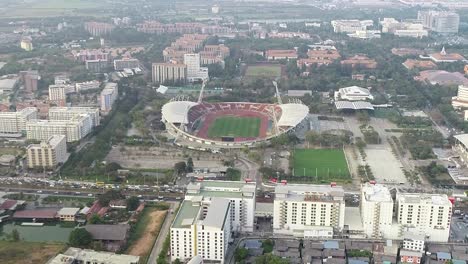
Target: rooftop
<point x="187" y="214"/>
<point x="376" y="193"/>
<point x="423" y="198"/>
<point x="68" y="211"/>
<point x="108" y="232"/>
<point x="217" y="213"/>
<point x="37" y="213"/>
<point x="308" y="192"/>
<point x="87" y="255"/>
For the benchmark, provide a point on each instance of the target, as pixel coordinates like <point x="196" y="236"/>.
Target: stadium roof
<point x="292" y="114"/>
<point x="357" y="105"/>
<point x="462" y="138"/>
<point x="176" y="111"/>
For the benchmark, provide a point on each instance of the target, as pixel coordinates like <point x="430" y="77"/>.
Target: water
<point x="46" y="233"/>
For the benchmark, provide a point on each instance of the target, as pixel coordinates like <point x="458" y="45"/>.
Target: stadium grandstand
<point x="210" y="126"/>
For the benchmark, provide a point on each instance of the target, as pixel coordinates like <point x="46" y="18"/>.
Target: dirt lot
<point x="27" y="253"/>
<point x="142" y="247"/>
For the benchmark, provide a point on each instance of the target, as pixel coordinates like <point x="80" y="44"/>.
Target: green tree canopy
<point x="80" y="237"/>
<point x="133" y="203"/>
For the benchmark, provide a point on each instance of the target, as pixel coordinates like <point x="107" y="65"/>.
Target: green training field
<point x="234" y="126"/>
<point x="320" y="164"/>
<point x="263" y="71"/>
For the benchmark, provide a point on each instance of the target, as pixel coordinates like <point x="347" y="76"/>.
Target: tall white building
<point x="202" y="227"/>
<point x="15" y="122"/>
<point x="108" y="96"/>
<point x="376" y="210"/>
<point x="194" y="71"/>
<point x="424" y="214"/>
<point x="308" y="210"/>
<point x="49" y="153"/>
<point x="67" y="113"/>
<point x="84" y="86"/>
<point x="74" y="129"/>
<point x="461" y="100"/>
<point x="57" y="93"/>
<point x="241" y="195"/>
<point x="440" y="21"/>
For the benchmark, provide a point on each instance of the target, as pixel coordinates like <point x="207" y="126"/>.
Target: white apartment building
<point x="424" y="214"/>
<point x="241" y="195"/>
<point x="48" y="154"/>
<point x="108" y="96"/>
<point x="84" y="86"/>
<point x="403" y="29"/>
<point x="67" y="113"/>
<point x="57" y="93"/>
<point x="74" y="129"/>
<point x="202" y="227"/>
<point x="414" y="243"/>
<point x="376" y="210"/>
<point x="194" y="71"/>
<point x="301" y="210"/>
<point x="353" y="93"/>
<point x="440" y="21"/>
<point x="351" y="26"/>
<point x="15" y="122"/>
<point x="461" y="100"/>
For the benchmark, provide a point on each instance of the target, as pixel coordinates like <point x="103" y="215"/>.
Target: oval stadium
<point x="210" y="126"/>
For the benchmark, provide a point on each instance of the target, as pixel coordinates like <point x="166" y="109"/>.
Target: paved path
<point x="163" y="233"/>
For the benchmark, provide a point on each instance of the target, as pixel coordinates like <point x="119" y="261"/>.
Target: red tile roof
<point x="38" y="213"/>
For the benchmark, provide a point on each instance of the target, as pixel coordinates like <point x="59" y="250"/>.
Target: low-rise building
<point x="85" y="86"/>
<point x="443" y="78"/>
<point x="77" y="255"/>
<point x="443" y="56"/>
<point x="461" y="100"/>
<point x="68" y="214"/>
<point x="350" y="26"/>
<point x="360" y="61"/>
<point x="97" y="66"/>
<point x="281" y="54"/>
<point x="419" y="64"/>
<point x="113" y="237"/>
<point x="353" y="93"/>
<point x="48" y="154"/>
<point x="409" y="256"/>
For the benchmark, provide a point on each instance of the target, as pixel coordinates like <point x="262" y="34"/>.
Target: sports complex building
<point x="203" y="126"/>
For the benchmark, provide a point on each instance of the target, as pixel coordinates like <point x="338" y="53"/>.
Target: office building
<point x="308" y="211"/>
<point x="85" y="86"/>
<point x="440" y="21"/>
<point x="26" y="44"/>
<point x="126" y="63"/>
<point x="108" y="96"/>
<point x="78" y="255"/>
<point x="461" y="100"/>
<point x="74" y="129"/>
<point x="241" y="195"/>
<point x="353" y="93"/>
<point x="194" y="71"/>
<point x="15" y="122"/>
<point x="202" y="227"/>
<point x="376" y="210"/>
<point x="403" y="29"/>
<point x="57" y="94"/>
<point x="48" y="154"/>
<point x="98" y="28"/>
<point x="169" y="72"/>
<point x="67" y="113"/>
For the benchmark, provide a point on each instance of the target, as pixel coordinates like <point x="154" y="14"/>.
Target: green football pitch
<point x="234" y="126"/>
<point x="320" y="164"/>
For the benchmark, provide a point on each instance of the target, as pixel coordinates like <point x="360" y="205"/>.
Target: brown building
<point x="319" y="57"/>
<point x="360" y="61"/>
<point x="419" y="64"/>
<point x="113" y="237"/>
<point x="30" y="80"/>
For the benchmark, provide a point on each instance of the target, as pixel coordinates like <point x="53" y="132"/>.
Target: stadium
<point x="207" y="126"/>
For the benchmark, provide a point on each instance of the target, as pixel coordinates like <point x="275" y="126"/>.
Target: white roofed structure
<point x="177" y="111"/>
<point x="357" y="105"/>
<point x="292" y="114"/>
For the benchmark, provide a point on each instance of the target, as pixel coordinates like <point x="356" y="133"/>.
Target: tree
<point x="240" y="254"/>
<point x="108" y="196"/>
<point x="80" y="237"/>
<point x="363" y="117"/>
<point x="270" y="259"/>
<point x="133" y="203"/>
<point x="176" y="261"/>
<point x="180" y="167"/>
<point x="95" y="220"/>
<point x="15" y="235"/>
<point x="189" y="165"/>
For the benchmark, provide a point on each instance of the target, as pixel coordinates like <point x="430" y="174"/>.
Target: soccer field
<point x="320" y="164"/>
<point x="234" y="126"/>
<point x="263" y="71"/>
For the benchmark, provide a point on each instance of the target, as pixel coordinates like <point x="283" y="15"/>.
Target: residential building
<point x="74" y="129"/>
<point x="319" y="57"/>
<point x="403" y="29"/>
<point x="351" y="26"/>
<point x="26" y="44"/>
<point x="85" y="86"/>
<point x="406" y="52"/>
<point x="15" y="122"/>
<point x="409" y="256"/>
<point x="77" y="255"/>
<point x="241" y="195"/>
<point x="424" y="214"/>
<point x="443" y="56"/>
<point x="68" y="214"/>
<point x="97" y="66"/>
<point x="461" y="148"/>
<point x="108" y="96"/>
<point x="461" y="100"/>
<point x="281" y="54"/>
<point x="414" y="243"/>
<point x="353" y="93"/>
<point x="57" y="94"/>
<point x="194" y="71"/>
<point x="98" y="28"/>
<point x="202" y="227"/>
<point x="359" y="61"/>
<point x="308" y="210"/>
<point x="126" y="63"/>
<point x="48" y="154"/>
<point x="30" y="80"/>
<point x="92" y="54"/>
<point x="376" y="210"/>
<point x="169" y="72"/>
<point x="440" y="21"/>
<point x="67" y="113"/>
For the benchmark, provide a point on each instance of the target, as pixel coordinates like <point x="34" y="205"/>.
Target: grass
<point x="63" y="199"/>
<point x="27" y="252"/>
<point x="232" y="126"/>
<point x="320" y="164"/>
<point x="263" y="71"/>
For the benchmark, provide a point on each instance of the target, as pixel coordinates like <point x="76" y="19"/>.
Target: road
<point x="163" y="233"/>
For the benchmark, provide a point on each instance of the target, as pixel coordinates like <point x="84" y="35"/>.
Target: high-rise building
<point x="57" y="94"/>
<point x="440" y="21"/>
<point x="15" y="122"/>
<point x="48" y="154"/>
<point x="461" y="100"/>
<point x="84" y="86"/>
<point x="30" y="80"/>
<point x="98" y="28"/>
<point x="376" y="210"/>
<point x="194" y="71"/>
<point x="169" y="72"/>
<point x="308" y="211"/>
<point x="97" y="65"/>
<point x="108" y="96"/>
<point x="67" y="113"/>
<point x="74" y="129"/>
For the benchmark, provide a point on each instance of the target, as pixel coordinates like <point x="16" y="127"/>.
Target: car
<point x="56" y="192"/>
<point x="39" y="191"/>
<point x="90" y="194"/>
<point x="139" y="196"/>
